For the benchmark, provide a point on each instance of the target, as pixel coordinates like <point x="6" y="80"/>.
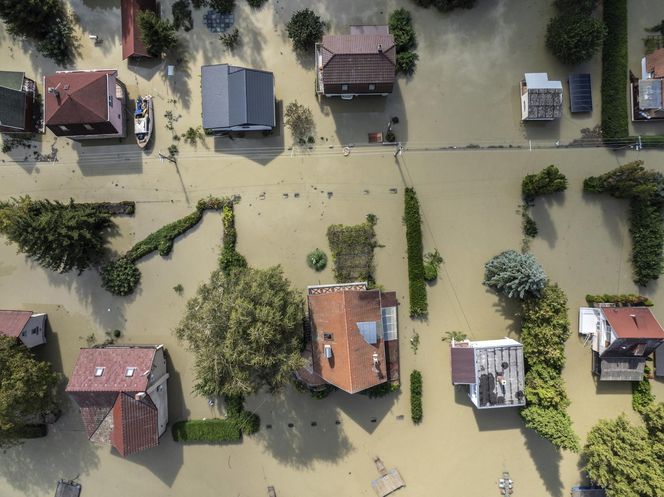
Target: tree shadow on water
<point x="299" y="430"/>
<point x="547" y="461"/>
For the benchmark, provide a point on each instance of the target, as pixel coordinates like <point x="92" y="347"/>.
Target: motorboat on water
<point x="143" y="120"/>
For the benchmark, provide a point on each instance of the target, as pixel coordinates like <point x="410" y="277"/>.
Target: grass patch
<point x="352" y="251"/>
<point x="615" y="115"/>
<point x="416" y="396"/>
<point x="417" y="291"/>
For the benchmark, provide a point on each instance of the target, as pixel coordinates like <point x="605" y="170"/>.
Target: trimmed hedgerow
<point x="230" y="259"/>
<point x="120" y="277"/>
<point x="401" y="27"/>
<point x="416" y="396"/>
<point x="642" y="396"/>
<point x="615" y="115"/>
<point x="417" y="289"/>
<point x="624" y="300"/>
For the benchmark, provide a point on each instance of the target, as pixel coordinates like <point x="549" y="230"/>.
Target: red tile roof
<point x="134" y="424"/>
<point x="655" y="63"/>
<point x="82" y="97"/>
<point x="633" y="322"/>
<point x="339" y="312"/>
<point x="13" y="322"/>
<point x="358" y="58"/>
<point x="132" y="46"/>
<point x="115" y="361"/>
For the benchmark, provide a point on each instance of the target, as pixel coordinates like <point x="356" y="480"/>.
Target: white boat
<point x="143" y="120"/>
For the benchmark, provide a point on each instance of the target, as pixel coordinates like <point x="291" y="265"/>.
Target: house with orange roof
<point x="121" y="392"/>
<point x="354" y="337"/>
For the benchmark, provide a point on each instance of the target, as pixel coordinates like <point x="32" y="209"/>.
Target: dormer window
<point x="99" y="371"/>
<point x="130" y="372"/>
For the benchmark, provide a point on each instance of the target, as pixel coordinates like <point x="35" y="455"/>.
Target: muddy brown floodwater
<point x="464" y="91"/>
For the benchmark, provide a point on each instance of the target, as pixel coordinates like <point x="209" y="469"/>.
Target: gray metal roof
<point x="622" y="368"/>
<point x="12" y="108"/>
<point x="500" y="372"/>
<point x="650" y="94"/>
<point x="236" y="96"/>
<point x="12" y="79"/>
<point x="659" y="361"/>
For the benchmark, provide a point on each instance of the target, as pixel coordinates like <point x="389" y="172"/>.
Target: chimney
<point x="635" y="318"/>
<point x="380" y="48"/>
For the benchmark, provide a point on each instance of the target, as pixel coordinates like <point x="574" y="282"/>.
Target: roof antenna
<point x="54" y="90"/>
<point x="380" y="48"/>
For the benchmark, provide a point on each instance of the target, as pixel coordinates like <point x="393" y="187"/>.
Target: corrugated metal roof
<point x="650" y="94"/>
<point x="622" y="369"/>
<point x="236" y="96"/>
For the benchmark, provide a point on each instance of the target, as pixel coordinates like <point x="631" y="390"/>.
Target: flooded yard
<point x="465" y="91"/>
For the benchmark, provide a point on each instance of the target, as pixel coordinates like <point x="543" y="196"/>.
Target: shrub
<point x="317" y="260"/>
<point x="582" y="6"/>
<point x="192" y="135"/>
<point x="158" y="35"/>
<point x="406" y="62"/>
<point x="381" y="390"/>
<point x="401" y="27"/>
<point x="417" y="290"/>
<point x="231" y="39"/>
<point x="179" y="289"/>
<point x="299" y="120"/>
<point x="624" y="300"/>
<point x="207" y="430"/>
<point x="222" y="6"/>
<point x="529" y="226"/>
<point x="614" y="72"/>
<point x="549" y="180"/>
<point x="120" y="277"/>
<point x="182" y="15"/>
<point x="515" y="274"/>
<point x="230" y="259"/>
<point x="545" y="387"/>
<point x="352" y="251"/>
<point x="416" y="396"/>
<point x="305" y="28"/>
<point x="574" y="38"/>
<point x="647" y="234"/>
<point x="642" y="396"/>
<point x="432" y="262"/>
<point x="553" y="424"/>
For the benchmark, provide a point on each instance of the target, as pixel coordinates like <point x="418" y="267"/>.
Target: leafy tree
<point x="553" y="424"/>
<point x="515" y="274"/>
<point x="545" y="387"/>
<point x="299" y="120"/>
<point x="621" y="458"/>
<point x="158" y="35"/>
<point x="401" y="27"/>
<point x="58" y="236"/>
<point x="548" y="180"/>
<point x="181" y="12"/>
<point x="575" y="38"/>
<point x="58" y="44"/>
<point x="120" y="277"/>
<point x="406" y="62"/>
<point x="245" y="329"/>
<point x="653" y="417"/>
<point x="222" y="6"/>
<point x="27" y="389"/>
<point x="305" y="28"/>
<point x="630" y="180"/>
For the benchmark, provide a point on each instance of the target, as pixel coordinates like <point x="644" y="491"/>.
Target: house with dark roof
<point x="132" y="45"/>
<point x="354" y="343"/>
<point x="647" y="95"/>
<point x="622" y="338"/>
<point x="360" y="63"/>
<point x="492" y="369"/>
<point x="541" y="99"/>
<point x="18" y="102"/>
<point x="26" y="326"/>
<point x="84" y="105"/>
<point x="121" y="392"/>
<point x="237" y="99"/>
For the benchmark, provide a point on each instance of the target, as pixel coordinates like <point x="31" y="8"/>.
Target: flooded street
<point x="464" y="92"/>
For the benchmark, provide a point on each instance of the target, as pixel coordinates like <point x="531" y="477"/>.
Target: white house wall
<point x="36" y="322"/>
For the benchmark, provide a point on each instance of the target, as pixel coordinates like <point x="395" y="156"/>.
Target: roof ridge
<point x="350" y="372"/>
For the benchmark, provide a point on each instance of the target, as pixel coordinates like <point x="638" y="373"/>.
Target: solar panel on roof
<point x="580" y="93"/>
<point x="368" y="331"/>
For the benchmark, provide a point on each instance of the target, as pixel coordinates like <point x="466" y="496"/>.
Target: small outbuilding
<point x="18" y="102"/>
<point x="26" y="326"/>
<point x="541" y="99"/>
<point x="237" y="99"/>
<point x="132" y="45"/>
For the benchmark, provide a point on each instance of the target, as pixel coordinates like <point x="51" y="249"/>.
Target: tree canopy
<point x="575" y="38"/>
<point x="623" y="459"/>
<point x="158" y="35"/>
<point x="245" y="329"/>
<point x="59" y="236"/>
<point x="27" y="388"/>
<point x="305" y="28"/>
<point x="515" y="275"/>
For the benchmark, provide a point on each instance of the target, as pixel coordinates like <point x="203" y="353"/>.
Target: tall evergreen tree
<point x="158" y="35"/>
<point x="58" y="236"/>
<point x="27" y="389"/>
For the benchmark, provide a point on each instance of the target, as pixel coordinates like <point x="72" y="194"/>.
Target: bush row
<point x="416" y="396"/>
<point x="230" y="259"/>
<point x="548" y="180"/>
<point x="624" y="300"/>
<point x="615" y="116"/>
<point x="416" y="286"/>
<point x="401" y="27"/>
<point x="238" y="421"/>
<point x="642" y="396"/>
<point x="545" y="329"/>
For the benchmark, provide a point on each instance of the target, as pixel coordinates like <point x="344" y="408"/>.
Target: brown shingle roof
<point x="351" y="367"/>
<point x="132" y="45"/>
<point x="13" y="322"/>
<point x="633" y="322"/>
<point x="82" y="97"/>
<point x="349" y="59"/>
<point x="115" y="361"/>
<point x="463" y="365"/>
<point x="655" y="63"/>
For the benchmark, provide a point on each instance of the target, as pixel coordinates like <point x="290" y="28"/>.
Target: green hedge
<point x="624" y="299"/>
<point x="416" y="396"/>
<point x="553" y="424"/>
<point x="642" y="396"/>
<point x="615" y="116"/>
<point x="230" y="259"/>
<point x="647" y="232"/>
<point x="417" y="289"/>
<point x="207" y="430"/>
<point x="548" y="180"/>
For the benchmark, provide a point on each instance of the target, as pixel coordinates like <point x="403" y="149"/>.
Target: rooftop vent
<point x="53" y="91"/>
<point x="140" y="396"/>
<point x="328" y="351"/>
<point x="380" y="48"/>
